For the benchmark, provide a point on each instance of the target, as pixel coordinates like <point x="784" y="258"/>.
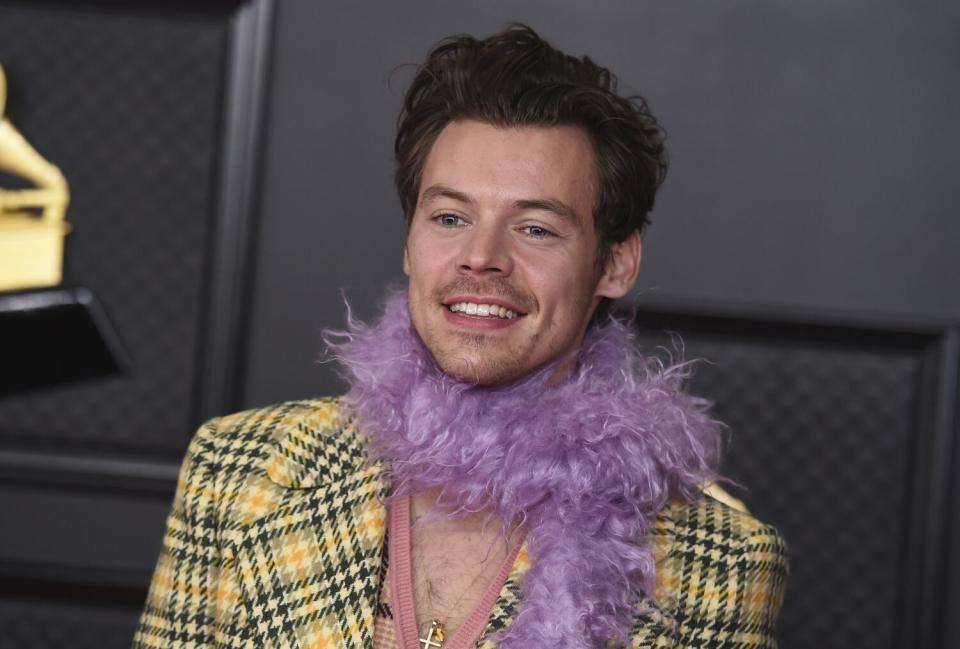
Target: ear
<point x="622" y="268"/>
<point x="406" y="262"/>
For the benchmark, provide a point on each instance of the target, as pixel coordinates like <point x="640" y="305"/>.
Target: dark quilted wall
<point x="824" y="425"/>
<point x="127" y="101"/>
<point x="78" y="626"/>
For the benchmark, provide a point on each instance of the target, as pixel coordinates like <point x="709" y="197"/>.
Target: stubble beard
<point x="479" y="358"/>
<point x="483" y="358"/>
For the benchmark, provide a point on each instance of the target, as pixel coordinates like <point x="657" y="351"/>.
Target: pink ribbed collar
<point x="401" y="586"/>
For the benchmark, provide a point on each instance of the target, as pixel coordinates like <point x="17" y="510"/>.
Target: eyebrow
<point x="433" y="192"/>
<point x="559" y="208"/>
<point x="553" y="205"/>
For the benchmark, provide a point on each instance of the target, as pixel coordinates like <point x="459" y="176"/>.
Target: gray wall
<point x="813" y="145"/>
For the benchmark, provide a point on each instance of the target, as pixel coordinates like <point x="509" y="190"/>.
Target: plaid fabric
<point x="276" y="539"/>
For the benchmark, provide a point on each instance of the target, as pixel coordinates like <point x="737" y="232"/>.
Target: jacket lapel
<point x="310" y="567"/>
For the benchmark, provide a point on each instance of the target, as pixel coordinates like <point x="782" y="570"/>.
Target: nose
<point x="485" y="252"/>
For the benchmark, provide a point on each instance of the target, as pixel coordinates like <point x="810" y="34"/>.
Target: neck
<point x="427" y="510"/>
<point x="426" y="507"/>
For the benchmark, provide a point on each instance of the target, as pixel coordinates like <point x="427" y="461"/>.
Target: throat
<point x="456" y="562"/>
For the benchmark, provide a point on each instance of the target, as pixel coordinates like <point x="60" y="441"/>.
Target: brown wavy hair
<point x="515" y="78"/>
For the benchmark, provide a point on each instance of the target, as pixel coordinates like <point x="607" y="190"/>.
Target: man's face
<point x="501" y="249"/>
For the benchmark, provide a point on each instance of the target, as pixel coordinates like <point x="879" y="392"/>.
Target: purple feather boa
<point x="587" y="463"/>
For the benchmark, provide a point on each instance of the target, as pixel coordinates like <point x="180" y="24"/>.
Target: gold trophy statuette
<point x="32" y="226"/>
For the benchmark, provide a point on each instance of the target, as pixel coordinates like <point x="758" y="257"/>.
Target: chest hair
<point x="453" y="564"/>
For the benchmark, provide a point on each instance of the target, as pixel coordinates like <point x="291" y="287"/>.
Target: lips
<point x="481" y="313"/>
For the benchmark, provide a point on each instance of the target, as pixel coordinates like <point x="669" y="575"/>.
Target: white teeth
<point x="483" y="310"/>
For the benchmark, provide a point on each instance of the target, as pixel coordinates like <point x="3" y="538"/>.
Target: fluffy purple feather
<point x="588" y="462"/>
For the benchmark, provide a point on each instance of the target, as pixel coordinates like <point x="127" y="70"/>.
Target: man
<point x="506" y="469"/>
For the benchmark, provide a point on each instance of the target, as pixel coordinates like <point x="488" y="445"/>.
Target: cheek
<point x="413" y="257"/>
<point x="560" y="281"/>
<point x="424" y="265"/>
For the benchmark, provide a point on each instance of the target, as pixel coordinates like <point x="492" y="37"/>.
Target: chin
<point x="477" y="358"/>
<point x="479" y="372"/>
<point x="480" y="365"/>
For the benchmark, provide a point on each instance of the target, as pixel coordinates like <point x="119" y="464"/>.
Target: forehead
<point x="493" y="163"/>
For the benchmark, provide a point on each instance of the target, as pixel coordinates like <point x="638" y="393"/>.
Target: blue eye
<point x="448" y="220"/>
<point x="537" y="232"/>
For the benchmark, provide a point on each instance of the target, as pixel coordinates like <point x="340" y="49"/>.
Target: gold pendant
<point x="435" y="636"/>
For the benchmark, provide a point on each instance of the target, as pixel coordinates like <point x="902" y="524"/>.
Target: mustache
<point x="496" y="287"/>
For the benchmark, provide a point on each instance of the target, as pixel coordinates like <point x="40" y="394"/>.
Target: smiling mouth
<point x="493" y="311"/>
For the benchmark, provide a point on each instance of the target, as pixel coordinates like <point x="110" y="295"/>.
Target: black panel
<point x="55" y="336"/>
<point x="828" y="426"/>
<point x="152" y="111"/>
<point x="129" y="104"/>
<point x="98" y="537"/>
<point x="35" y="625"/>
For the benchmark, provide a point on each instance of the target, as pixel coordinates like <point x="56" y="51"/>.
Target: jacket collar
<point x="316" y="445"/>
<point x="310" y="568"/>
<point x="332" y="498"/>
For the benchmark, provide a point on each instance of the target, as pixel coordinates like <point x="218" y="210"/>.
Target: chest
<point x="453" y="567"/>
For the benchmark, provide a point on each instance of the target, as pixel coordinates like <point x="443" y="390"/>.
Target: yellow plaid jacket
<point x="276" y="538"/>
